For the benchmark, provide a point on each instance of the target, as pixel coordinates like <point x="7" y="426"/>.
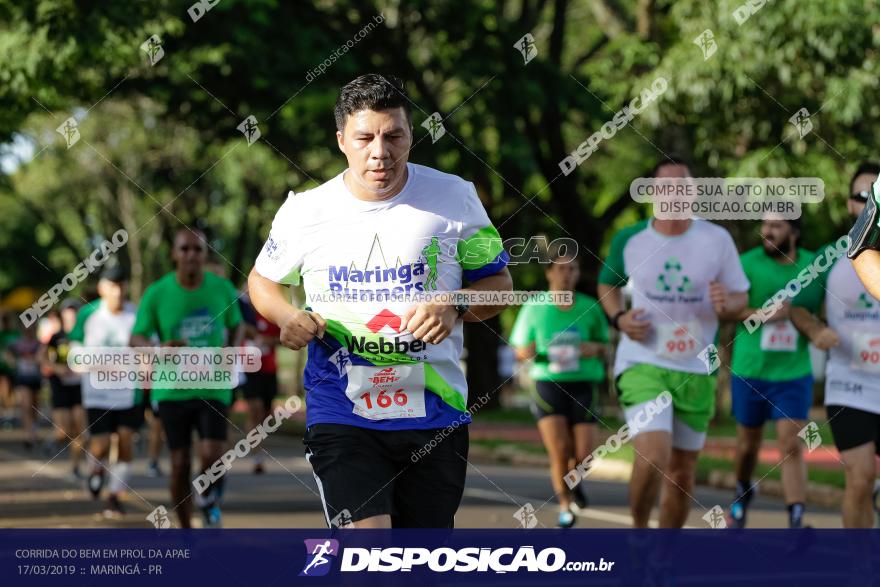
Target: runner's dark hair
<point x="371" y="91"/>
<point x="869" y="167"/>
<point x="671" y="160"/>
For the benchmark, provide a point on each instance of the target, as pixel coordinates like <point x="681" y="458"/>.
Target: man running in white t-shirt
<point x="684" y="275"/>
<point x="387" y="399"/>
<point x="107" y="322"/>
<point x="852" y="339"/>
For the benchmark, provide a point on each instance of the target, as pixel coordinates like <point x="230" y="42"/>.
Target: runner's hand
<point x="632" y="326"/>
<point x="174" y="342"/>
<point x="783" y="312"/>
<point x="430" y="323"/>
<point x="592" y="349"/>
<point x="718" y="295"/>
<point x="300" y="328"/>
<point x="825" y="338"/>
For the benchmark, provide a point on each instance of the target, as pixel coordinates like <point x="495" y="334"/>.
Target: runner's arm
<point x="525" y="353"/>
<point x="298" y="326"/>
<point x="867" y="266"/>
<point x="501" y="281"/>
<point x="628" y="322"/>
<point x="813" y="328"/>
<point x="237" y="336"/>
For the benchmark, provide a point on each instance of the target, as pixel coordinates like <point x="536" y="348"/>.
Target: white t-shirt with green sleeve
<point x="358" y="261"/>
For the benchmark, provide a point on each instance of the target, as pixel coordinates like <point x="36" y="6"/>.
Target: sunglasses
<point x="862" y="196"/>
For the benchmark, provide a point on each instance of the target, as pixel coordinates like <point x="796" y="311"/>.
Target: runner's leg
<point x="794" y="469"/>
<point x="154" y="440"/>
<point x="556" y="437"/>
<point x="860" y="470"/>
<point x="28" y="403"/>
<point x="77" y="429"/>
<point x="748" y="443"/>
<point x="678" y="488"/>
<point x="120" y="471"/>
<point x="383" y="521"/>
<point x="61" y="418"/>
<point x="583" y="436"/>
<point x="181" y="494"/>
<point x="653" y="450"/>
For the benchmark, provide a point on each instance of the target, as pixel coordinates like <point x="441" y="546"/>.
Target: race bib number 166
<point x="380" y="393"/>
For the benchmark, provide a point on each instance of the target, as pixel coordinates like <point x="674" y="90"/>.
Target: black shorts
<point x="32" y="383"/>
<point x="104" y="421"/>
<point x="852" y="427"/>
<point x="572" y="399"/>
<point x="415" y="476"/>
<point x="262" y="386"/>
<point x="65" y="397"/>
<point x="180" y="418"/>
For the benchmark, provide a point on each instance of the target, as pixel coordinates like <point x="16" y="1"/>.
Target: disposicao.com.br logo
<point x="441" y="560"/>
<point x="320" y="553"/>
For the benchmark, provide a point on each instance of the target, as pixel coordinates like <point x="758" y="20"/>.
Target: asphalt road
<point x="37" y="491"/>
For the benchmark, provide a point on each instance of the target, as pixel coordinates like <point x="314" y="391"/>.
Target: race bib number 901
<point x="866" y="352"/>
<point x="381" y="393"/>
<point x="678" y="342"/>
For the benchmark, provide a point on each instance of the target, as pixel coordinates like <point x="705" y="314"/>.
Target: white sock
<point x="120" y="473"/>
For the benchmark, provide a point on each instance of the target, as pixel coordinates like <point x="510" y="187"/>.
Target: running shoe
<point x="581" y="500"/>
<point x="114" y="509"/>
<point x="259" y="469"/>
<point x="736" y="516"/>
<point x="153" y="469"/>
<point x="96" y="483"/>
<point x="566" y="519"/>
<point x="212" y="516"/>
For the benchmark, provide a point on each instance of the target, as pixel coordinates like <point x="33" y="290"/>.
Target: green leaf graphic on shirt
<point x="672" y="279"/>
<point x="864" y="302"/>
<point x="431" y="253"/>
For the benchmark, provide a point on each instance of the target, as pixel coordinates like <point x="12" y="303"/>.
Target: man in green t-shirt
<point x="771" y="372"/>
<point x="567" y="344"/>
<point x="194" y="308"/>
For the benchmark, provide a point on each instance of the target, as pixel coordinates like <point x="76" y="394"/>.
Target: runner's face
<point x="563" y="274"/>
<point x="112" y="294"/>
<point x="862" y="183"/>
<point x="68" y="319"/>
<point x="190" y="252"/>
<point x="376" y="144"/>
<point x="777" y="237"/>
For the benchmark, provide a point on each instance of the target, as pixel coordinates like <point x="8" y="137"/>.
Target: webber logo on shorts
<point x="320" y="553"/>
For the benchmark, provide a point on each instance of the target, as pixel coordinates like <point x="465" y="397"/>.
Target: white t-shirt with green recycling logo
<point x="670" y="278"/>
<point x="96" y="326"/>
<point x="368" y="370"/>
